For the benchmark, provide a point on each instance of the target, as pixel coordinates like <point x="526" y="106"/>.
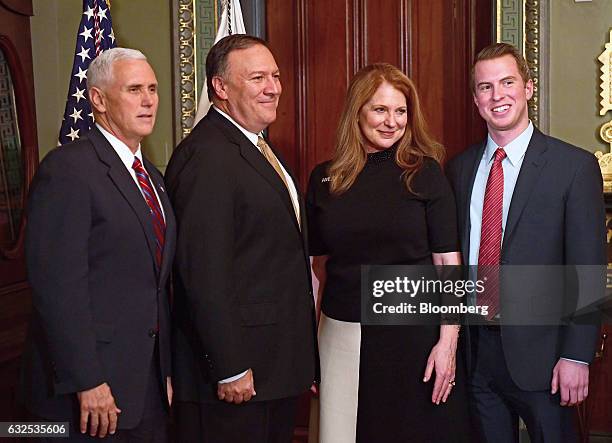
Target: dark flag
<point x="95" y="35"/>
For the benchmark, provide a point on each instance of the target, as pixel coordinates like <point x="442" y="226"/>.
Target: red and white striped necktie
<point x="489" y="254"/>
<point x="159" y="225"/>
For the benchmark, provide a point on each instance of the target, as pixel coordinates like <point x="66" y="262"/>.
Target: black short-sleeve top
<point x="377" y="222"/>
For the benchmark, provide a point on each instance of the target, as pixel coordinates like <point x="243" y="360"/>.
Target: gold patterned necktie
<point x="269" y="155"/>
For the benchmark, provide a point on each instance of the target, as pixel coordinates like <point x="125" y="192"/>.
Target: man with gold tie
<point x="245" y="340"/>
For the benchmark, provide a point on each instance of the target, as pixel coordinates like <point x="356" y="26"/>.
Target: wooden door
<point x="18" y="161"/>
<point x="320" y="44"/>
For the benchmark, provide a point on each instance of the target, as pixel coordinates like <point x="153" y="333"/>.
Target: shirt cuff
<point x="575" y="361"/>
<point x="234" y="378"/>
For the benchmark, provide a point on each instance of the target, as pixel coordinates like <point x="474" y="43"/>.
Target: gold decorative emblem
<point x="195" y="24"/>
<point x="605" y="132"/>
<point x="532" y="55"/>
<point x="606" y="79"/>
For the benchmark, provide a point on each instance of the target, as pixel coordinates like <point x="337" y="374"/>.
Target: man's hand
<point x="572" y="379"/>
<point x="99" y="408"/>
<point x="169" y="390"/>
<point x="239" y="390"/>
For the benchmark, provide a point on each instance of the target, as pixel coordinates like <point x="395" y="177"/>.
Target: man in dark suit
<point x="245" y="343"/>
<point x="525" y="198"/>
<point x="99" y="246"/>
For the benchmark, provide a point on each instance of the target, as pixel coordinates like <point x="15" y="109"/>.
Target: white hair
<point x="100" y="72"/>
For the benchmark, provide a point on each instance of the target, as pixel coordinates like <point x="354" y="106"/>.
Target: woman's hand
<point x="442" y="359"/>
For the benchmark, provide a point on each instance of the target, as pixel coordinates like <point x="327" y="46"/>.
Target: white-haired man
<point x="99" y="248"/>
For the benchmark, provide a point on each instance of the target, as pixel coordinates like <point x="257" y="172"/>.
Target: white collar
<point x="248" y="134"/>
<point x="515" y="150"/>
<point x="123" y="151"/>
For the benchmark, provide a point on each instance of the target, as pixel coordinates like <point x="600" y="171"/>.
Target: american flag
<point x="95" y="35"/>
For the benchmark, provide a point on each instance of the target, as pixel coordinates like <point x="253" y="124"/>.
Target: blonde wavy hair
<point x="350" y="156"/>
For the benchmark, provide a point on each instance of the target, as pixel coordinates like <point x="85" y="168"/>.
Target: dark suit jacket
<point x="556" y="217"/>
<point x="97" y="293"/>
<point x="243" y="296"/>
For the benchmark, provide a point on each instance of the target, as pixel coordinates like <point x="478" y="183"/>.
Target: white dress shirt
<point x="127" y="158"/>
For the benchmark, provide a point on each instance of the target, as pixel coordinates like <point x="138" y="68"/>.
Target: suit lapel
<point x="256" y="159"/>
<point x="530" y="171"/>
<point x="472" y="164"/>
<point x="125" y="184"/>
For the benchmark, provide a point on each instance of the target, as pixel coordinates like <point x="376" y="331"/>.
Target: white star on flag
<point x="79" y="94"/>
<point x="82" y="75"/>
<point x="73" y="134"/>
<point x="84" y="54"/>
<point x="112" y="35"/>
<point x="86" y="33"/>
<point x="102" y="14"/>
<point x="76" y="115"/>
<point x="89" y="13"/>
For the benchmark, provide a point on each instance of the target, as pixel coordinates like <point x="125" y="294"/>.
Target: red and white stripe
<point x="489" y="254"/>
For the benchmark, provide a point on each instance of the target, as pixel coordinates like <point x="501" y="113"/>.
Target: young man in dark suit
<point x="525" y="198"/>
<point x="245" y="340"/>
<point x="99" y="247"/>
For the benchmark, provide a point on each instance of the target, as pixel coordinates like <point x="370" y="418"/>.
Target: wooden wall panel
<point x="479" y="26"/>
<point x="329" y="69"/>
<point x="381" y="34"/>
<point x="320" y="44"/>
<point x="316" y="61"/>
<point x="285" y="37"/>
<point x="15" y="293"/>
<point x="599" y="401"/>
<point x="430" y="62"/>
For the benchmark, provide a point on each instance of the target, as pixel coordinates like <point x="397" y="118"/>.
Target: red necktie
<point x="489" y="254"/>
<point x="159" y="226"/>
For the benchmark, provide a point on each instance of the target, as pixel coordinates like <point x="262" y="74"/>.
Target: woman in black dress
<point x="383" y="200"/>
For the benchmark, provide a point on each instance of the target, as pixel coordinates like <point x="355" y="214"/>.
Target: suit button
<point x="152" y="333"/>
